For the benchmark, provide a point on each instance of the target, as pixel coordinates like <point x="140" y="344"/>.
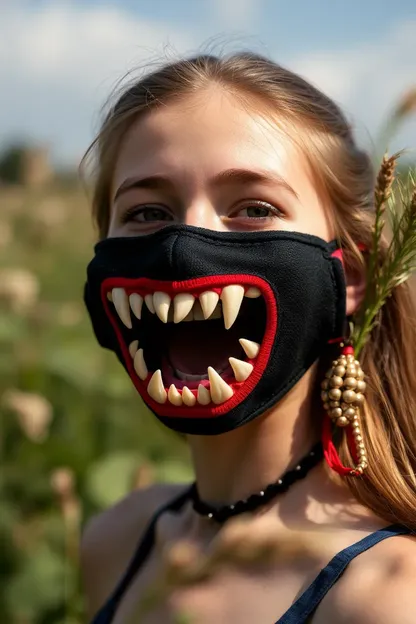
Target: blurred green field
<point x="74" y="435"/>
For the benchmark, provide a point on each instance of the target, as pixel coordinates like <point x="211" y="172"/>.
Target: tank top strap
<point x="306" y="604"/>
<point x="106" y="613"/>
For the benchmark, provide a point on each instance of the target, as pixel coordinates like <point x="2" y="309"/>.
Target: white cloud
<point x="60" y="62"/>
<point x="368" y="79"/>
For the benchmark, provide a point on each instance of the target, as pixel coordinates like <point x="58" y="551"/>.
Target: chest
<point x="243" y="596"/>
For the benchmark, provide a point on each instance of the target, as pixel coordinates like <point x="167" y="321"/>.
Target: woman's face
<point x="208" y="162"/>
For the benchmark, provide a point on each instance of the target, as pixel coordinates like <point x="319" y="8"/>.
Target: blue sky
<point x="59" y="60"/>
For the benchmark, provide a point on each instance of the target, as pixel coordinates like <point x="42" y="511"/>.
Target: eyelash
<point x="277" y="212"/>
<point x="133" y="212"/>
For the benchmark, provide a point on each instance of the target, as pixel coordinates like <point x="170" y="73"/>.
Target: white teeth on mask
<point x="251" y="348"/>
<point x="220" y="390"/>
<point x="174" y="396"/>
<point x="155" y="389"/>
<point x="185" y="306"/>
<point x="208" y="301"/>
<point x="182" y="305"/>
<point x="136" y="304"/>
<point x="133" y="348"/>
<point x="140" y="365"/>
<point x="121" y="304"/>
<point x="161" y="304"/>
<point x="231" y="298"/>
<point x="187" y="397"/>
<point x="203" y="396"/>
<point x="242" y="370"/>
<point x="252" y="292"/>
<point x="149" y="302"/>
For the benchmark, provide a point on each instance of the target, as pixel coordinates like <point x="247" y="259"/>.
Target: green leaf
<point x="173" y="471"/>
<point x="42" y="584"/>
<point x="110" y="479"/>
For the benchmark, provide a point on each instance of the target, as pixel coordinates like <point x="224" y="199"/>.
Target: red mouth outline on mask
<point x="196" y="287"/>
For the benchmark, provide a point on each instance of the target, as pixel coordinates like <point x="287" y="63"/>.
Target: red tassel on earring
<point x="342" y="395"/>
<point x="331" y="454"/>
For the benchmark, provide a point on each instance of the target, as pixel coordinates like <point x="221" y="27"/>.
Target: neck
<point x="232" y="466"/>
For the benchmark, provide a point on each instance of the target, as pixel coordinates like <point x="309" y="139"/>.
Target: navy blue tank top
<point x="302" y="609"/>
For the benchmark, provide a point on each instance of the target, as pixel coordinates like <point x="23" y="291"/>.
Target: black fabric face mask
<point x="281" y="293"/>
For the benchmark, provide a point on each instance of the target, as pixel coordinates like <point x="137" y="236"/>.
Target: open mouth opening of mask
<point x="196" y="347"/>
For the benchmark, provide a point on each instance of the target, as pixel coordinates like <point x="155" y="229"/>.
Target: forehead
<point x="204" y="134"/>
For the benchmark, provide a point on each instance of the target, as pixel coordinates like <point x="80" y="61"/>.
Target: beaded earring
<point x="343" y="397"/>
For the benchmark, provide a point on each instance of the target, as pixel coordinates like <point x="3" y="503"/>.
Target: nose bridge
<point x="198" y="201"/>
<point x="200" y="212"/>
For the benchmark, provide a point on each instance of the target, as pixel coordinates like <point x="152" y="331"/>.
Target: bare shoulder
<point x="110" y="538"/>
<point x="377" y="588"/>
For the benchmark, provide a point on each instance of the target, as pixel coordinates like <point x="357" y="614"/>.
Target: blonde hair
<point x="346" y="175"/>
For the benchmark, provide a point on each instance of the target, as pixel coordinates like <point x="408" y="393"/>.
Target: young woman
<point x="232" y="204"/>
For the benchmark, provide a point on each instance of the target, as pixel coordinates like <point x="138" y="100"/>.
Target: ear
<point x="356" y="285"/>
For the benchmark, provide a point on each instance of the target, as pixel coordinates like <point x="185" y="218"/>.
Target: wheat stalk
<point x="382" y="194"/>
<point x="388" y="270"/>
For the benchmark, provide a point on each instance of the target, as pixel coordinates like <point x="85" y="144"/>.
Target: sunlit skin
<point x="207" y="154"/>
<point x="209" y="162"/>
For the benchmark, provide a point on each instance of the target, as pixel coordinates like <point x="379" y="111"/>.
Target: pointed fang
<point x="121" y="304"/>
<point x="203" y="396"/>
<point x="251" y="348"/>
<point x="208" y="301"/>
<point x="182" y="304"/>
<point x="187" y="397"/>
<point x="242" y="370"/>
<point x="133" y="348"/>
<point x="161" y="304"/>
<point x="149" y="302"/>
<point x="174" y="396"/>
<point x="231" y="298"/>
<point x="140" y="365"/>
<point x="156" y="389"/>
<point x="136" y="304"/>
<point x="220" y="391"/>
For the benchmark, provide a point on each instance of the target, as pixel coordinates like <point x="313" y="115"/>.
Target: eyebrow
<point x="227" y="177"/>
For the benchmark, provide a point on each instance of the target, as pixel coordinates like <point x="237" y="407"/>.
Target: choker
<point x="221" y="514"/>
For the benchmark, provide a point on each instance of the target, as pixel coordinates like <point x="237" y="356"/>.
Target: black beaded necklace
<point x="221" y="514"/>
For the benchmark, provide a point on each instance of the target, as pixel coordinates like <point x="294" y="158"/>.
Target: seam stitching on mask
<point x="174" y="243"/>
